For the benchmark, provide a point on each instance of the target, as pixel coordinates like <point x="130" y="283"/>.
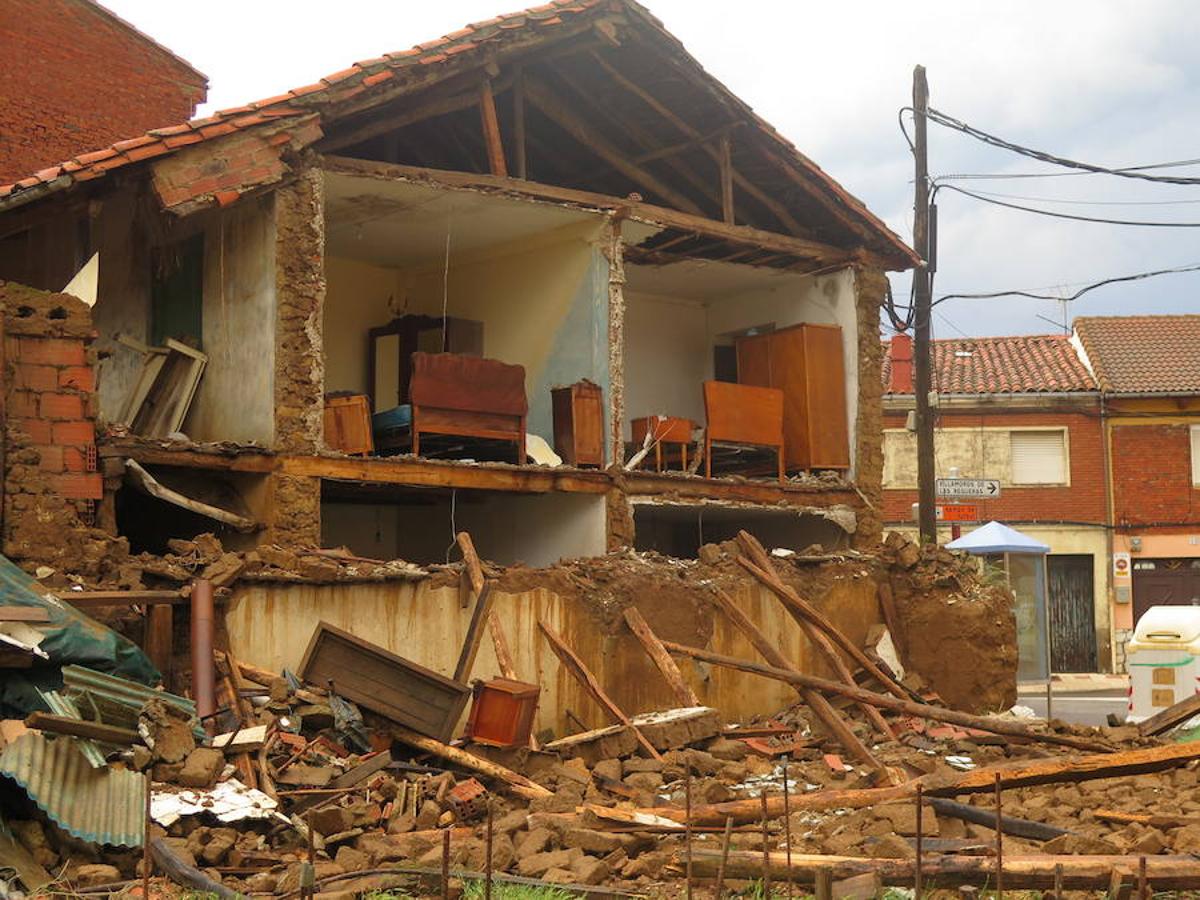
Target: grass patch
<point x="473" y="890"/>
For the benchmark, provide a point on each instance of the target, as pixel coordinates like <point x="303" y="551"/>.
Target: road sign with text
<point x="987" y="488"/>
<point x="957" y="512"/>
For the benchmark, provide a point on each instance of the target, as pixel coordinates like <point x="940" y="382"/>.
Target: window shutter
<point x="1196" y="455"/>
<point x="1038" y="457"/>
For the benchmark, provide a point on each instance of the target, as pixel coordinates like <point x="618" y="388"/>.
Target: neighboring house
<point x="1148" y="369"/>
<point x="565" y="190"/>
<point x="1024" y="410"/>
<point x="76" y="77"/>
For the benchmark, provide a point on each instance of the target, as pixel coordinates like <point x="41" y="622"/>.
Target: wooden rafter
<point x="518" y="100"/>
<point x="558" y="112"/>
<point x="726" y="149"/>
<point x="777" y="209"/>
<point x="490" y="123"/>
<point x="639" y="137"/>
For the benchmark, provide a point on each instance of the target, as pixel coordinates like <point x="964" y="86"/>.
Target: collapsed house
<point x="544" y="281"/>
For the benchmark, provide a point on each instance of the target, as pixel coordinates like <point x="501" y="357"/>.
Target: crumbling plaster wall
<point x="270" y="625"/>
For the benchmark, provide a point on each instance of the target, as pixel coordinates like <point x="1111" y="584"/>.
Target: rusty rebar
<point x="720" y="885"/>
<point x="446" y="864"/>
<point x="487" y="865"/>
<point x="766" y="853"/>
<point x="1143" y="888"/>
<point x="147" y="859"/>
<point x="687" y="837"/>
<point x="787" y="825"/>
<point x="999" y="842"/>
<point x="917" y="867"/>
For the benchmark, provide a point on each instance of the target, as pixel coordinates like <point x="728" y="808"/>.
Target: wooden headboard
<point x="744" y="414"/>
<point x="468" y="384"/>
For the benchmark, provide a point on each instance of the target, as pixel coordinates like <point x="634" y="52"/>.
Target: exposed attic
<point x="618" y="110"/>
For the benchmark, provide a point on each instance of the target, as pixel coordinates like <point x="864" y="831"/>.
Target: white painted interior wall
<point x="667" y="357"/>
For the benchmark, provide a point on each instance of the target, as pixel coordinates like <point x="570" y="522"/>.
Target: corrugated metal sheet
<point x="102" y="806"/>
<point x="116" y="701"/>
<point x="64" y="706"/>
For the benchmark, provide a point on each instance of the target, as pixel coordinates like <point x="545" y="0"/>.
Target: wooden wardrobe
<point x="805" y="362"/>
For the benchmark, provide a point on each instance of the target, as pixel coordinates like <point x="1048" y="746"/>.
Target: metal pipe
<point x="204" y="676"/>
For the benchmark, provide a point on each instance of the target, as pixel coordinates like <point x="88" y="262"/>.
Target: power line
<point x="1061" y="215"/>
<point x="987" y="138"/>
<point x="1072" y="297"/>
<point x="1000" y="176"/>
<point x="1086" y="202"/>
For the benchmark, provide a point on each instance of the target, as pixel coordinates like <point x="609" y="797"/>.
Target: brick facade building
<point x="76" y="77"/>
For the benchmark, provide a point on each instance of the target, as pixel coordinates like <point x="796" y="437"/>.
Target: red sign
<point x="958" y="512"/>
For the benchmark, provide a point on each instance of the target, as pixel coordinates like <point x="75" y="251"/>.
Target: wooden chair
<point x="745" y="415"/>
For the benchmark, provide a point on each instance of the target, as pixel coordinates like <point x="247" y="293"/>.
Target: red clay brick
<point x="51" y="351"/>
<point x="78" y="433"/>
<point x="61" y="406"/>
<point x="36" y="377"/>
<point x="81" y="378"/>
<point x="39" y="430"/>
<point x="74" y="459"/>
<point x="85" y="486"/>
<point x="23" y="404"/>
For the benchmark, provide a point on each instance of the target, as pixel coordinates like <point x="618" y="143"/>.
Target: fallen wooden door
<point x="1072" y="613"/>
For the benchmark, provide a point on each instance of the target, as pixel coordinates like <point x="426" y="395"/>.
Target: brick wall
<point x="76" y="78"/>
<point x="1082" y="501"/>
<point x="1152" y="477"/>
<point x="50" y="400"/>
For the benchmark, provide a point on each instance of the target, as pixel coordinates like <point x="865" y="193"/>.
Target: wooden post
<point x="658" y="654"/>
<point x="589" y="683"/>
<point x="160" y="628"/>
<point x="518" y="90"/>
<point x="724" y="858"/>
<point x="491" y="129"/>
<point x="923" y="312"/>
<point x="726" y="150"/>
<point x="470" y="647"/>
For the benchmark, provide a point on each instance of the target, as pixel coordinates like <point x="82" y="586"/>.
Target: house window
<point x="1038" y="457"/>
<point x="1195" y="455"/>
<point x="177" y="293"/>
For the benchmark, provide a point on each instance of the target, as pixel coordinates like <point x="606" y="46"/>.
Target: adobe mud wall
<point x="870" y="286"/>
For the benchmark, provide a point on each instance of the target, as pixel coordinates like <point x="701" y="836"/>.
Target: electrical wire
<point x="1003" y="176"/>
<point x="1061" y="215"/>
<point x="1120" y="279"/>
<point x="1085" y="202"/>
<point x="1137" y="172"/>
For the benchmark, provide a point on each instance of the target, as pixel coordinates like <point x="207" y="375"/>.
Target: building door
<point x="1165" y="582"/>
<point x="1072" y="613"/>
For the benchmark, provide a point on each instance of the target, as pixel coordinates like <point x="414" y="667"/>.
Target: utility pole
<point x="922" y="313"/>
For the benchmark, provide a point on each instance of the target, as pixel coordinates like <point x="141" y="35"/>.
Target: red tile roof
<point x="1042" y="363"/>
<point x="1143" y="354"/>
<point x="369" y="74"/>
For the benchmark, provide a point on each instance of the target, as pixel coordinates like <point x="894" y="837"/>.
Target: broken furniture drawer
<point x="383" y="682"/>
<point x="502" y="712"/>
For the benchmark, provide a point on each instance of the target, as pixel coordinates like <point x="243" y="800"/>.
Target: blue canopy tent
<point x="1023" y="560"/>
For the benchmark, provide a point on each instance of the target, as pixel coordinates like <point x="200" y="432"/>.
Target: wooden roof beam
<point x="777" y="209"/>
<point x="558" y="112"/>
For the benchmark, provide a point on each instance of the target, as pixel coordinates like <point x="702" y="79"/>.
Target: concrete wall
<point x="270" y="626"/>
<point x="537" y="530"/>
<point x="235" y="399"/>
<point x="543" y="303"/>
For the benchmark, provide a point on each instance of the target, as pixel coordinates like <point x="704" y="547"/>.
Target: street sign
<point x="987" y="488"/>
<point x="957" y="512"/>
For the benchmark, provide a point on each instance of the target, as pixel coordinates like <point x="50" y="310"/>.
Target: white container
<point x="1164" y="659"/>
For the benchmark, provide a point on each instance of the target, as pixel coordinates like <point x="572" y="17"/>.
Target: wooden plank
<point x="491" y="129"/>
<point x="474" y="636"/>
<point x="1166" y="719"/>
<point x="24" y="614"/>
<point x="518" y="98"/>
<point x="1024" y="872"/>
<point x="758" y="563"/>
<point x="147" y="483"/>
<point x="990" y="724"/>
<point x="726" y="163"/>
<point x="826" y="254"/>
<point x="159" y="639"/>
<point x="471" y="561"/>
<point x="1151" y="819"/>
<point x="384" y="682"/>
<point x="519" y="784"/>
<point x="348" y="779"/>
<point x="658" y="654"/>
<point x="108" y="734"/>
<point x="14" y="855"/>
<point x="87" y="599"/>
<point x="825" y="713"/>
<point x="588" y="681"/>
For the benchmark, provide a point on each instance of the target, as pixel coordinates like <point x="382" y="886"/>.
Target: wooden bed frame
<point x="742" y="414"/>
<point x="468" y="396"/>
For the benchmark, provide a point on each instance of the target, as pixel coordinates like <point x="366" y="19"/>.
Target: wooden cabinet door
<point x="754" y="360"/>
<point x="825" y="382"/>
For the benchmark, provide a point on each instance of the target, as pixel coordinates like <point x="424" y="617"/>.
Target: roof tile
<point x="1021" y="364"/>
<point x="1143" y="354"/>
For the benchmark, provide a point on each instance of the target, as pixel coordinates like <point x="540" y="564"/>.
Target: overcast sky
<point x="1114" y="83"/>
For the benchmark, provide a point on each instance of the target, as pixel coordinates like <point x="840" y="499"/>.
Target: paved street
<point x="1083" y="708"/>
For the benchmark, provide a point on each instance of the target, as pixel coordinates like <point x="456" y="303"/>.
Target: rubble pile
<point x="355" y="774"/>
